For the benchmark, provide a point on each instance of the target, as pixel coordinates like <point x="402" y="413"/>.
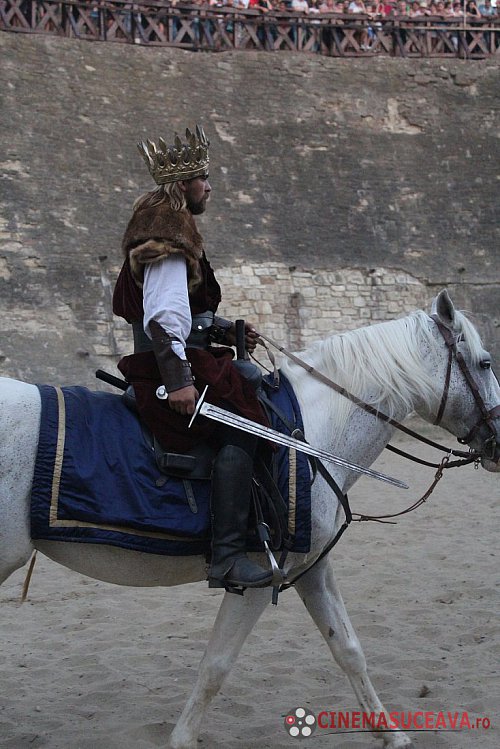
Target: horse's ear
<point x="443" y="307"/>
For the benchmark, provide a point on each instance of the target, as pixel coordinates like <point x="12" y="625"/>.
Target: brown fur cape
<point x="157" y="232"/>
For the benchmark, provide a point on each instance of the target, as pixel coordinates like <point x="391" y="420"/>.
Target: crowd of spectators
<point x="410" y="9"/>
<point x="382" y="8"/>
<point x="373" y="10"/>
<point x="167" y="14"/>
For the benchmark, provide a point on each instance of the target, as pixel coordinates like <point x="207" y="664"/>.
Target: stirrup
<point x="228" y="582"/>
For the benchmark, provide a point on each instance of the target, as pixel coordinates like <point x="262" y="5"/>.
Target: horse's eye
<point x="485" y="364"/>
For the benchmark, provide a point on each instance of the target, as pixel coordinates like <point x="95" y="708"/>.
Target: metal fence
<point x="224" y="28"/>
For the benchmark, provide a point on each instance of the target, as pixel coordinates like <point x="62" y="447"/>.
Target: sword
<point x="246" y="425"/>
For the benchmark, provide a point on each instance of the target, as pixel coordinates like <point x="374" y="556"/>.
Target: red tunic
<point x="212" y="367"/>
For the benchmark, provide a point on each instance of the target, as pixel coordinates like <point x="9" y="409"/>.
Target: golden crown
<point x="179" y="161"/>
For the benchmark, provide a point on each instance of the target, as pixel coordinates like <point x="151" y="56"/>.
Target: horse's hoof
<point x="177" y="743"/>
<point x="397" y="741"/>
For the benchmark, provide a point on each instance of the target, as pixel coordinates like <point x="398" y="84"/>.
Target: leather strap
<point x="358" y="402"/>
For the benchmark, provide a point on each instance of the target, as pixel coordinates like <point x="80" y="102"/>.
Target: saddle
<point x="268" y="520"/>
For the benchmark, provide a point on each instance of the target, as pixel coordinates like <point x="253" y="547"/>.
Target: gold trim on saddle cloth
<point x="292" y="490"/>
<point x="55" y="521"/>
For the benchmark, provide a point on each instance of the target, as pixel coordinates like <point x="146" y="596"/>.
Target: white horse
<point x="399" y="366"/>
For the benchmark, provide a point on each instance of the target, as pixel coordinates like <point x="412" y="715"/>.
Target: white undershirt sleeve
<point x="166" y="300"/>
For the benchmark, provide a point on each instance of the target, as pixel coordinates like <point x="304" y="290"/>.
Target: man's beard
<point x="197" y="207"/>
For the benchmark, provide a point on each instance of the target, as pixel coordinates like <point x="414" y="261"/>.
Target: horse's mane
<point x="381" y="363"/>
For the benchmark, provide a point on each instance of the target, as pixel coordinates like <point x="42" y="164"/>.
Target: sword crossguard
<point x="201" y="400"/>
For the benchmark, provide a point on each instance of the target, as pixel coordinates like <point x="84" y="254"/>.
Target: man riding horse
<point x="168" y="292"/>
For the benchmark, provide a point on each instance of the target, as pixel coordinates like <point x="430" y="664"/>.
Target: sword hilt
<point x="201" y="400"/>
<point x="245" y="367"/>
<point x="241" y="352"/>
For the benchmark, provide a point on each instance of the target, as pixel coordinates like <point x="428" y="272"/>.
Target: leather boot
<point x="230" y="503"/>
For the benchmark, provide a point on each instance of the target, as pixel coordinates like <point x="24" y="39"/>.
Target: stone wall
<point x="299" y="306"/>
<point x="344" y="191"/>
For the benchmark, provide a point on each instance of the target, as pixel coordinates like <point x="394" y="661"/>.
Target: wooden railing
<point x="218" y="29"/>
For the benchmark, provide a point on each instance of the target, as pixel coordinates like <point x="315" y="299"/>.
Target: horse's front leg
<point x="235" y="620"/>
<point x="321" y="596"/>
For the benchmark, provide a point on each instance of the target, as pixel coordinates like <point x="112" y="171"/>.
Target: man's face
<point x="197" y="192"/>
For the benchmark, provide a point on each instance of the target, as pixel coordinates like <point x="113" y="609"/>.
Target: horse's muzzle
<point x="490" y="465"/>
<point x="490" y="459"/>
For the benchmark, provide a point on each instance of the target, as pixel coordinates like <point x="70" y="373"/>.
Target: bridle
<point x="472" y="456"/>
<point x="487" y="416"/>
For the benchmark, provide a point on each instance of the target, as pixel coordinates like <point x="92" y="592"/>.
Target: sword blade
<point x="239" y="422"/>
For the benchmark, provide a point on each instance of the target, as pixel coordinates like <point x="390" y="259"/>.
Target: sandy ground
<point x="88" y="665"/>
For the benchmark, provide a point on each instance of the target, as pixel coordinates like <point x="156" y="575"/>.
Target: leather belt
<point x="199" y="337"/>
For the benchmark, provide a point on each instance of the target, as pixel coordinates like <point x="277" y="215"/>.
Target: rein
<point x="378" y="414"/>
<point x="385" y="518"/>
<point x="465" y="457"/>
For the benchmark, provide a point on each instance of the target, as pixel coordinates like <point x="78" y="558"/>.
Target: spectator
<point x="416" y="10"/>
<point x="401" y="9"/>
<point x="238" y="27"/>
<point x="472" y="9"/>
<point x="265" y="33"/>
<point x="284" y="25"/>
<point x="356" y="6"/>
<point x="300" y="6"/>
<point x="400" y="34"/>
<point x="441" y="9"/>
<point x="486" y="9"/>
<point x="263" y="5"/>
<point x="457" y="13"/>
<point x="328" y="7"/>
<point x="375" y="26"/>
<point x="313" y="25"/>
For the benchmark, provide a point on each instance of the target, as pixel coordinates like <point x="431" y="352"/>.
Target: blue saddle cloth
<point x="96" y="479"/>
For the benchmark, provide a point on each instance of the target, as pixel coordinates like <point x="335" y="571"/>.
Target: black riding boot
<point x="230" y="503"/>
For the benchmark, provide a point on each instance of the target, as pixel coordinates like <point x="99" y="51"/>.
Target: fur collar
<point x="155" y="233"/>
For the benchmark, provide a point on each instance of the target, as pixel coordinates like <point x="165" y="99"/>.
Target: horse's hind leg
<point x="15" y="542"/>
<point x="321" y="596"/>
<point x="235" y="620"/>
<point x="19" y="425"/>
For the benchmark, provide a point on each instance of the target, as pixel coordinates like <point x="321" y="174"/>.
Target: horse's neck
<point x="360" y="439"/>
<point x="339" y="425"/>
